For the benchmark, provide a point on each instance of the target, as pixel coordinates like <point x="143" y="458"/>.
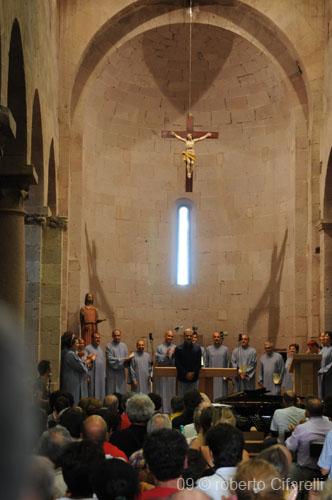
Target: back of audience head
<point x="39" y="482"/>
<point x="279" y="456"/>
<point x="196" y="467"/>
<point x="256" y="479"/>
<point x="314" y="407"/>
<point x="89" y="405"/>
<point x="177" y="404"/>
<point x="52" y="443"/>
<point x="226" y="444"/>
<point x="115" y="479"/>
<point x="165" y="452"/>
<point x="72" y="420"/>
<point x="44" y="367"/>
<point x="54" y="396"/>
<point x="192" y="399"/>
<point x="226" y="416"/>
<point x="61" y="403"/>
<point x="139" y="409"/>
<point x="111" y="418"/>
<point x="124" y="398"/>
<point x="156" y="400"/>
<point x="290" y="398"/>
<point x="78" y="462"/>
<point x="111" y="402"/>
<point x="158" y="421"/>
<point x="95" y="429"/>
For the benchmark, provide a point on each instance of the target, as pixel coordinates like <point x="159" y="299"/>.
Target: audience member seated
<point x="288" y="416"/>
<point x="115" y="479"/>
<point x="279" y="456"/>
<point x="95" y="431"/>
<point x="124" y="419"/>
<point x="325" y="459"/>
<point x="39" y="480"/>
<point x="139" y="409"/>
<point x="89" y="406"/>
<point x="157" y="401"/>
<point x="42" y="384"/>
<point x="190" y="431"/>
<point x="191" y="400"/>
<point x="256" y="479"/>
<point x="111" y="401"/>
<point x="111" y="418"/>
<point x="177" y="406"/>
<point x="51" y="445"/>
<point x="157" y="421"/>
<point x="164" y="452"/>
<point x="196" y="467"/>
<point x="59" y="403"/>
<point x="315" y="428"/>
<point x="78" y="463"/>
<point x="72" y="419"/>
<point x="226" y="445"/>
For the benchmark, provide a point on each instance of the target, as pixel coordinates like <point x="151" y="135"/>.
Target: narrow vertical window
<point x="183" y="246"/>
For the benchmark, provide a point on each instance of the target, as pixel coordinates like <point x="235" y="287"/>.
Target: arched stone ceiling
<point x="143" y="16"/>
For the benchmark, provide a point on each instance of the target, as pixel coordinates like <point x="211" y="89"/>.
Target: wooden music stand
<point x="206" y="376"/>
<point x="305" y="368"/>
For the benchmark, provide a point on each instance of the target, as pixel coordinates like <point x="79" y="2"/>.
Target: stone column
<point x="14" y="185"/>
<point x="34" y="231"/>
<point x="51" y="280"/>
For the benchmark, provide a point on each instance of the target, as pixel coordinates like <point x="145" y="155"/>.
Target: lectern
<point x="206" y="376"/>
<point x="305" y="368"/>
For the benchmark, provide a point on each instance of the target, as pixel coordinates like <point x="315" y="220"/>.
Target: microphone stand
<point x="152" y="358"/>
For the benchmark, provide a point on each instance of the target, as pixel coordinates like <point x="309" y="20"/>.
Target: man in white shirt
<point x="289" y="415"/>
<point x="226" y="446"/>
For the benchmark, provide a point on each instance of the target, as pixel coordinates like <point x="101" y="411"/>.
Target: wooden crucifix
<point x="189" y="137"/>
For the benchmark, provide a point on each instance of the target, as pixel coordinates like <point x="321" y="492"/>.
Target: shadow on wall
<point x="270" y="299"/>
<point x="95" y="286"/>
<point x="166" y="54"/>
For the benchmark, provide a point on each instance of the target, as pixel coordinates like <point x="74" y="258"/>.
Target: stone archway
<point x="15" y="183"/>
<point x="16" y="149"/>
<point x="52" y="184"/>
<point x="269" y="40"/>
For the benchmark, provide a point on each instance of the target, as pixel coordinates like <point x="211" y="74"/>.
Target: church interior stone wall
<point x="99" y="87"/>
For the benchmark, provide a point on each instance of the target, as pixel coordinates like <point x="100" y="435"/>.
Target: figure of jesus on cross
<point x="190" y="138"/>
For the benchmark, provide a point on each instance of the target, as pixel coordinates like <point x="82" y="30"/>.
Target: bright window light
<point x="182" y="275"/>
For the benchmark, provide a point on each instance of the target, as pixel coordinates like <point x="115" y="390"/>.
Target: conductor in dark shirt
<point x="188" y="363"/>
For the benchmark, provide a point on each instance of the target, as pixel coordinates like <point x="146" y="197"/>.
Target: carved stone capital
<point x="44" y="218"/>
<point x="57" y="222"/>
<point x="324" y="225"/>
<point x="15" y="182"/>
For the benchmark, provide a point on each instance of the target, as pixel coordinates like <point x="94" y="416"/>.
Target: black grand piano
<point x="253" y="408"/>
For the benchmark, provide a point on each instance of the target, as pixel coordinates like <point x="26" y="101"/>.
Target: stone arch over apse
<point x="52" y="184"/>
<point x="140" y="17"/>
<point x="16" y="149"/>
<point x="243" y="22"/>
<point x="36" y="193"/>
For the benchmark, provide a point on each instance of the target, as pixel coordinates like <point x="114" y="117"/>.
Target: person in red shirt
<point x="164" y="451"/>
<point x="95" y="430"/>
